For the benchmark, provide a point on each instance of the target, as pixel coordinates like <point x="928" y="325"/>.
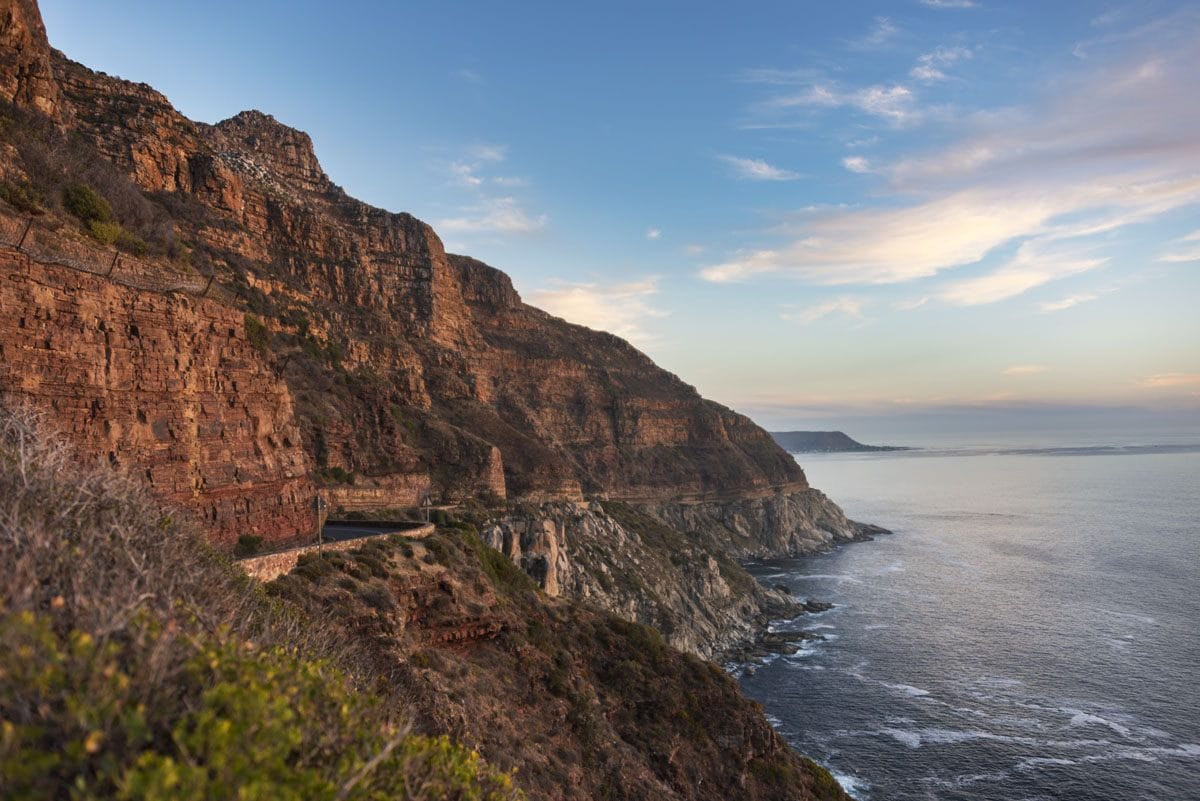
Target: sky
<point x="881" y="217"/>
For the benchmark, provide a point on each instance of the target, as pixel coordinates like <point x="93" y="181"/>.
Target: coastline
<point x="767" y="641"/>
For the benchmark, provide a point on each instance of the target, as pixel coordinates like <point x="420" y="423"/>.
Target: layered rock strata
<point x="162" y="384"/>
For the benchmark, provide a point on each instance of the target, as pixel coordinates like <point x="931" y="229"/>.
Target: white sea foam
<point x="829" y="577"/>
<point x="1079" y="718"/>
<point x="915" y="738"/>
<point x="967" y="779"/>
<point x="910" y="738"/>
<point x="854" y="785"/>
<point x="1036" y="762"/>
<point x="906" y="689"/>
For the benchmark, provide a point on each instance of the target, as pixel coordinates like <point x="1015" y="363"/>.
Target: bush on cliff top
<point x="136" y="663"/>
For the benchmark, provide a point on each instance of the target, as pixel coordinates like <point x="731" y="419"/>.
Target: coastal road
<point x="337" y="532"/>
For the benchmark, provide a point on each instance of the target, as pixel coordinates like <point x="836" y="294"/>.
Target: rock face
<point x="25" y="74"/>
<point x="467" y="364"/>
<point x="783" y="524"/>
<point x="163" y="384"/>
<point x="616" y="558"/>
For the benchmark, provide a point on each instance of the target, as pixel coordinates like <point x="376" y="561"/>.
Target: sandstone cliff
<point x="343" y="350"/>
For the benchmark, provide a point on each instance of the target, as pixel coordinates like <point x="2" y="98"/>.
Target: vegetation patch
<point x="173" y="676"/>
<point x="256" y="333"/>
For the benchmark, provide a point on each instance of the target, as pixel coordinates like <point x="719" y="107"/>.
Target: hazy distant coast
<point x="825" y="442"/>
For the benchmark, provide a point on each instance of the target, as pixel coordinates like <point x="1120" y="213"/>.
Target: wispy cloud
<point x="1070" y="300"/>
<point x="950" y="3"/>
<point x="1188" y="249"/>
<point x="489" y="212"/>
<point x="895" y="104"/>
<point x="882" y="31"/>
<point x="845" y="306"/>
<point x="810" y="91"/>
<point x="758" y="170"/>
<point x="1171" y="380"/>
<point x="931" y="66"/>
<point x="1025" y="369"/>
<point x="1032" y="266"/>
<point x="653" y="233"/>
<point x="911" y="303"/>
<point x="856" y="164"/>
<point x="622" y="309"/>
<point x="1114" y="145"/>
<point x="494" y="153"/>
<point x="469" y="75"/>
<point x="465" y="174"/>
<point x="499" y="215"/>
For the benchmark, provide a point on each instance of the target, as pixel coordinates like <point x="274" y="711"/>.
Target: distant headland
<point x="825" y="442"/>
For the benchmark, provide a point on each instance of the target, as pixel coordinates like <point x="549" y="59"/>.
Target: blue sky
<point x="815" y="212"/>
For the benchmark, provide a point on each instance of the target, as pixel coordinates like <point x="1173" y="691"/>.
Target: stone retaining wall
<point x="273" y="565"/>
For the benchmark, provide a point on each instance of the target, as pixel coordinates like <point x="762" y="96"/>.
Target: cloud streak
<point x="758" y="170"/>
<point x="1188" y="249"/>
<point x="499" y="215"/>
<point x="622" y="309"/>
<point x="1031" y="267"/>
<point x="931" y="66"/>
<point x="1171" y="380"/>
<point x="1068" y="302"/>
<point x="844" y="306"/>
<point x="1114" y="145"/>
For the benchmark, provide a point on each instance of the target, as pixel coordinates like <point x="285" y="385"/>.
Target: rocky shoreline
<point x="766" y="641"/>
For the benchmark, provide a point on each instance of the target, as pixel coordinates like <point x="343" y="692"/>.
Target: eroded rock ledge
<point x="673" y="565"/>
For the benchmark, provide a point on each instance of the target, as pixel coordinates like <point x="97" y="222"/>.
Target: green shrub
<point x="23" y="197"/>
<point x="246" y="722"/>
<point x="131" y="244"/>
<point x="378" y="597"/>
<point x="341" y="476"/>
<point x="105" y="233"/>
<point x="257" y="334"/>
<point x="247" y="545"/>
<point x="86" y="204"/>
<point x="166" y="673"/>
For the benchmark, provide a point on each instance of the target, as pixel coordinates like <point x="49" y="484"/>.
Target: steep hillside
<point x="429" y="669"/>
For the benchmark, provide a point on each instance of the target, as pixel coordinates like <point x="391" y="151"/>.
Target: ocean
<point x="1030" y="631"/>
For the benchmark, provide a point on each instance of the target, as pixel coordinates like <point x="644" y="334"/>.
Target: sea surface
<point x="1030" y="631"/>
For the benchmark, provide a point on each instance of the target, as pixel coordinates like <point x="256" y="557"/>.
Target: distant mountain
<point x="824" y="442"/>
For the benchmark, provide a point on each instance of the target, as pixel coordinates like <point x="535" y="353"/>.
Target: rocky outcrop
<point x="163" y="385"/>
<point x="770" y="526"/>
<point x="613" y="557"/>
<point x="26" y="78"/>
